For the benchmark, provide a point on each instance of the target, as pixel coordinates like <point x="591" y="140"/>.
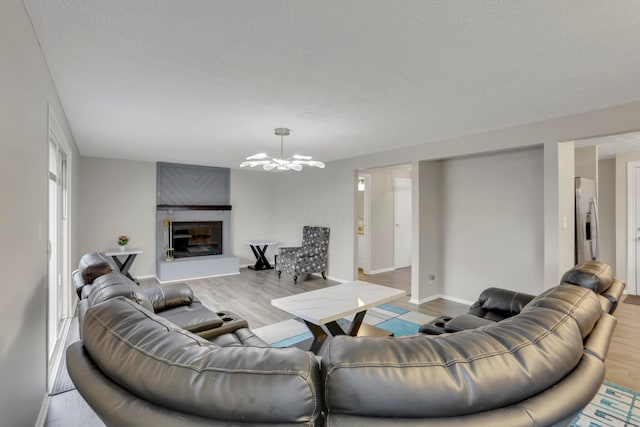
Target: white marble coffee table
<point x="321" y="309"/>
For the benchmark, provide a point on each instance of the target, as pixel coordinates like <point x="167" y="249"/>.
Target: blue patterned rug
<point x="613" y="406"/>
<point x="394" y="319"/>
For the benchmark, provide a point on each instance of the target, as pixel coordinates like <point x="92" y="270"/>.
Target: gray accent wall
<point x="192" y="185"/>
<point x="27" y="92"/>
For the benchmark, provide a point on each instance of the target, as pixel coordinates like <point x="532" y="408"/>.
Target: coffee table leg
<point x="319" y="337"/>
<point x="357" y="321"/>
<point x="335" y="329"/>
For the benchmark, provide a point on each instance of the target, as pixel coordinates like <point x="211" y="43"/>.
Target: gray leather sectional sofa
<point x="496" y="304"/>
<point x="539" y="367"/>
<point x="97" y="280"/>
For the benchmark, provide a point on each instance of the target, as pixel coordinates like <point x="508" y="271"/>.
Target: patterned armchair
<point x="309" y="258"/>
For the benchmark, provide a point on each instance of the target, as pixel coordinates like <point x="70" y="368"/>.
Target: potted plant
<point x="122" y="241"/>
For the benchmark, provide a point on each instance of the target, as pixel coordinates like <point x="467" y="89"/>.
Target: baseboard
<point x="434" y="297"/>
<point x="382" y="270"/>
<point x="145" y="276"/>
<point x="44" y="410"/>
<point x="424" y="300"/>
<point x="458" y="300"/>
<point x="164" y="282"/>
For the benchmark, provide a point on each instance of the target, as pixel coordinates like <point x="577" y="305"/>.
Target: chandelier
<point x="295" y="162"/>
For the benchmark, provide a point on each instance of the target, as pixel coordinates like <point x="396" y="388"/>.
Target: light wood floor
<point x="249" y="294"/>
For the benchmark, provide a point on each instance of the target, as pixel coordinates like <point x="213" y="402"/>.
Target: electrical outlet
<point x="432" y="277"/>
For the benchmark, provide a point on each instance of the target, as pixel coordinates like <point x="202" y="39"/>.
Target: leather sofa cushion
<point x="163" y="364"/>
<point x="466" y="321"/>
<point x="114" y="285"/>
<point x="97" y="261"/>
<point x="170" y="296"/>
<point x="94" y="271"/>
<point x="91" y="266"/>
<point x="579" y="303"/>
<point x="497" y="304"/>
<point x="462" y="373"/>
<point x="590" y="274"/>
<point x="194" y="317"/>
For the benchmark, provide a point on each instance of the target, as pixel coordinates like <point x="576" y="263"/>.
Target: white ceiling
<point x="206" y="82"/>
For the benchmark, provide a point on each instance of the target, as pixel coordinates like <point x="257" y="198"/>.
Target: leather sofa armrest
<point x="614" y="293"/>
<point x="504" y="300"/>
<point x="83" y="306"/>
<point x="169" y="296"/>
<point x="597" y="343"/>
<point x="78" y="282"/>
<point x="466" y="321"/>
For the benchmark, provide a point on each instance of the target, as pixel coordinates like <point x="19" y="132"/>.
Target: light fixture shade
<point x="295" y="163"/>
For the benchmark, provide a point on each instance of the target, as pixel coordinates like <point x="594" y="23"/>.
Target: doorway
<point x="376" y="239"/>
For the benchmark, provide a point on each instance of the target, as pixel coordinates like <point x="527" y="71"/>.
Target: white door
<point x="402" y="222"/>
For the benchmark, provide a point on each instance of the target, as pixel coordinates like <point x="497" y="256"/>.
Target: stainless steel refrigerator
<point x="586" y="220"/>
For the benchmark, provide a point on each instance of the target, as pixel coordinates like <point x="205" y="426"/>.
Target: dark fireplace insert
<point x="197" y="238"/>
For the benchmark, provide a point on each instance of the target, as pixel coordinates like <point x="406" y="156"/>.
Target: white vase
<point x="123" y="247"/>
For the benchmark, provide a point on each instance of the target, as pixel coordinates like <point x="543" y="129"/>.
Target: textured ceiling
<point x="206" y="82"/>
<point x="609" y="146"/>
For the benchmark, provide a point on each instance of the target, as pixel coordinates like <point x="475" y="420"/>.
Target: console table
<point x="130" y="254"/>
<point x="259" y="247"/>
<point x="321" y="309"/>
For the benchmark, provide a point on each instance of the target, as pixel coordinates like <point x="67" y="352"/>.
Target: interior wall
<point x="27" y="90"/>
<point x="606" y="210"/>
<point x="324" y="197"/>
<point x="253" y="211"/>
<point x="118" y="197"/>
<point x="559" y="210"/>
<point x="427" y="271"/>
<point x="493" y="223"/>
<point x="586" y="162"/>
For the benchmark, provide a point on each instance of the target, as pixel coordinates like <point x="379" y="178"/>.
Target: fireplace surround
<point x="193" y="223"/>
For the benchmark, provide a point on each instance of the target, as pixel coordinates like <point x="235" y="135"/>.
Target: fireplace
<point x="196" y="238"/>
<point x="193" y="222"/>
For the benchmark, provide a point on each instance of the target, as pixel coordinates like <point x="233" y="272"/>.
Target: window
<point x="58" y="295"/>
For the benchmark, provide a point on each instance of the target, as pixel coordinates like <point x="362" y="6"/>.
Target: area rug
<point x="632" y="299"/>
<point x="394" y="319"/>
<point x="613" y="406"/>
